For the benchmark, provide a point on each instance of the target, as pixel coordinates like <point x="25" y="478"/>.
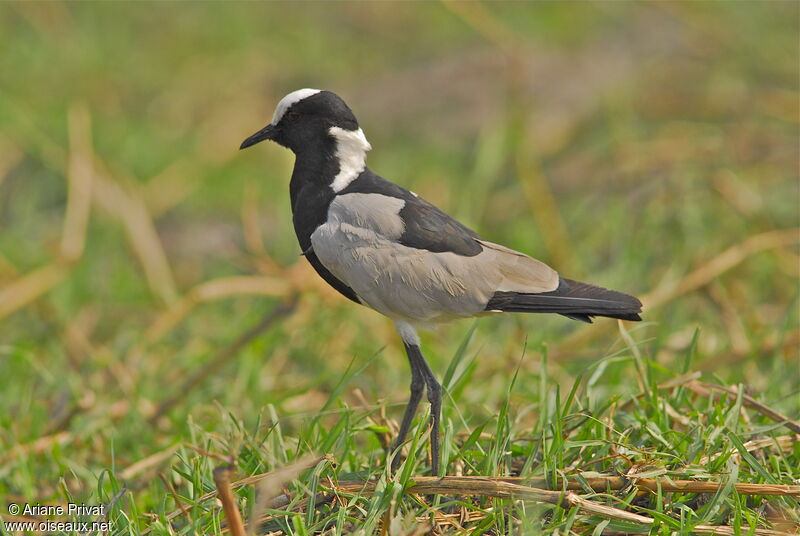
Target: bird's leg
<point x="417" y="386"/>
<point x="435" y="398"/>
<point x="421" y="376"/>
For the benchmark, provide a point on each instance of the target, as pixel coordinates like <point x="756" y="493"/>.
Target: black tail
<point x="573" y="299"/>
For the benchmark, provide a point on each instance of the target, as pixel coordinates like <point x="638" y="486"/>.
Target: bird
<point x="385" y="247"/>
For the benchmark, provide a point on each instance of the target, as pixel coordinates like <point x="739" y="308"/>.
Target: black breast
<point x="310" y="204"/>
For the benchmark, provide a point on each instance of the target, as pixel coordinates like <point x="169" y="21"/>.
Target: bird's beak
<point x="266" y="133"/>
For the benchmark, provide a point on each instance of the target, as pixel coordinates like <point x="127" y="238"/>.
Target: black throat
<point x="310" y="190"/>
<point x="311" y="195"/>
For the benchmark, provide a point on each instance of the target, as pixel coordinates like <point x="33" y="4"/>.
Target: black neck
<point x="315" y="166"/>
<point x="310" y="190"/>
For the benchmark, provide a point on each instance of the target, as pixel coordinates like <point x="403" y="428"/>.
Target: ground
<point x="157" y="321"/>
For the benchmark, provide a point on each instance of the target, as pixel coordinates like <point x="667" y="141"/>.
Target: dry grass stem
<point x="175" y="497"/>
<point x="30" y="287"/>
<point x="488" y="487"/>
<point x="131" y="211"/>
<point x="484" y="22"/>
<point x="222" y="479"/>
<point x="705" y="389"/>
<point x="203" y="452"/>
<point x="508" y="488"/>
<point x="725" y="530"/>
<point x="720" y="264"/>
<point x="154" y="460"/>
<point x="789" y="345"/>
<point x="783" y="443"/>
<point x="214" y="290"/>
<point x="80" y="175"/>
<point x="700" y="277"/>
<point x="277" y="502"/>
<point x="38" y="282"/>
<point x="222" y="357"/>
<point x="170" y="187"/>
<point x="272" y="485"/>
<point x="10" y="155"/>
<point x="544" y="209"/>
<point x="39" y="445"/>
<point x="251" y="227"/>
<point x="605" y="483"/>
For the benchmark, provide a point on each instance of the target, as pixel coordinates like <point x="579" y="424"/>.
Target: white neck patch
<point x="288" y="100"/>
<point x="351" y="152"/>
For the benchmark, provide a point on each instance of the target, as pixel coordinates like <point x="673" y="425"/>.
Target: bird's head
<point x="309" y="119"/>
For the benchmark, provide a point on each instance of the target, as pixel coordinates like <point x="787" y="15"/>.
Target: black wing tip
<point x="573" y="299"/>
<point x="587" y="318"/>
<point x="630" y="317"/>
<point x="580" y="318"/>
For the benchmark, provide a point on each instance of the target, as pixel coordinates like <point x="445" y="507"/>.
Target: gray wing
<point x="361" y="244"/>
<point x="424" y="225"/>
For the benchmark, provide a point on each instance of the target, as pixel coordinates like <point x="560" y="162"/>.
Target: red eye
<point x="293" y="116"/>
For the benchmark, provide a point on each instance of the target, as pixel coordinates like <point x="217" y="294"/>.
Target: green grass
<point x="666" y="133"/>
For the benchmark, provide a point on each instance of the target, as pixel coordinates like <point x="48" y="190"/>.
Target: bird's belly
<point x="399" y="281"/>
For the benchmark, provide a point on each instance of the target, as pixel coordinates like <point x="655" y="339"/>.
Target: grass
<point x="142" y="259"/>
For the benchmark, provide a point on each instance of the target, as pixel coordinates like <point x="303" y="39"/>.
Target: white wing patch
<point x="351" y="152"/>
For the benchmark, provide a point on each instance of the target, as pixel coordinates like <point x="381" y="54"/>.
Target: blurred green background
<point x="646" y="146"/>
